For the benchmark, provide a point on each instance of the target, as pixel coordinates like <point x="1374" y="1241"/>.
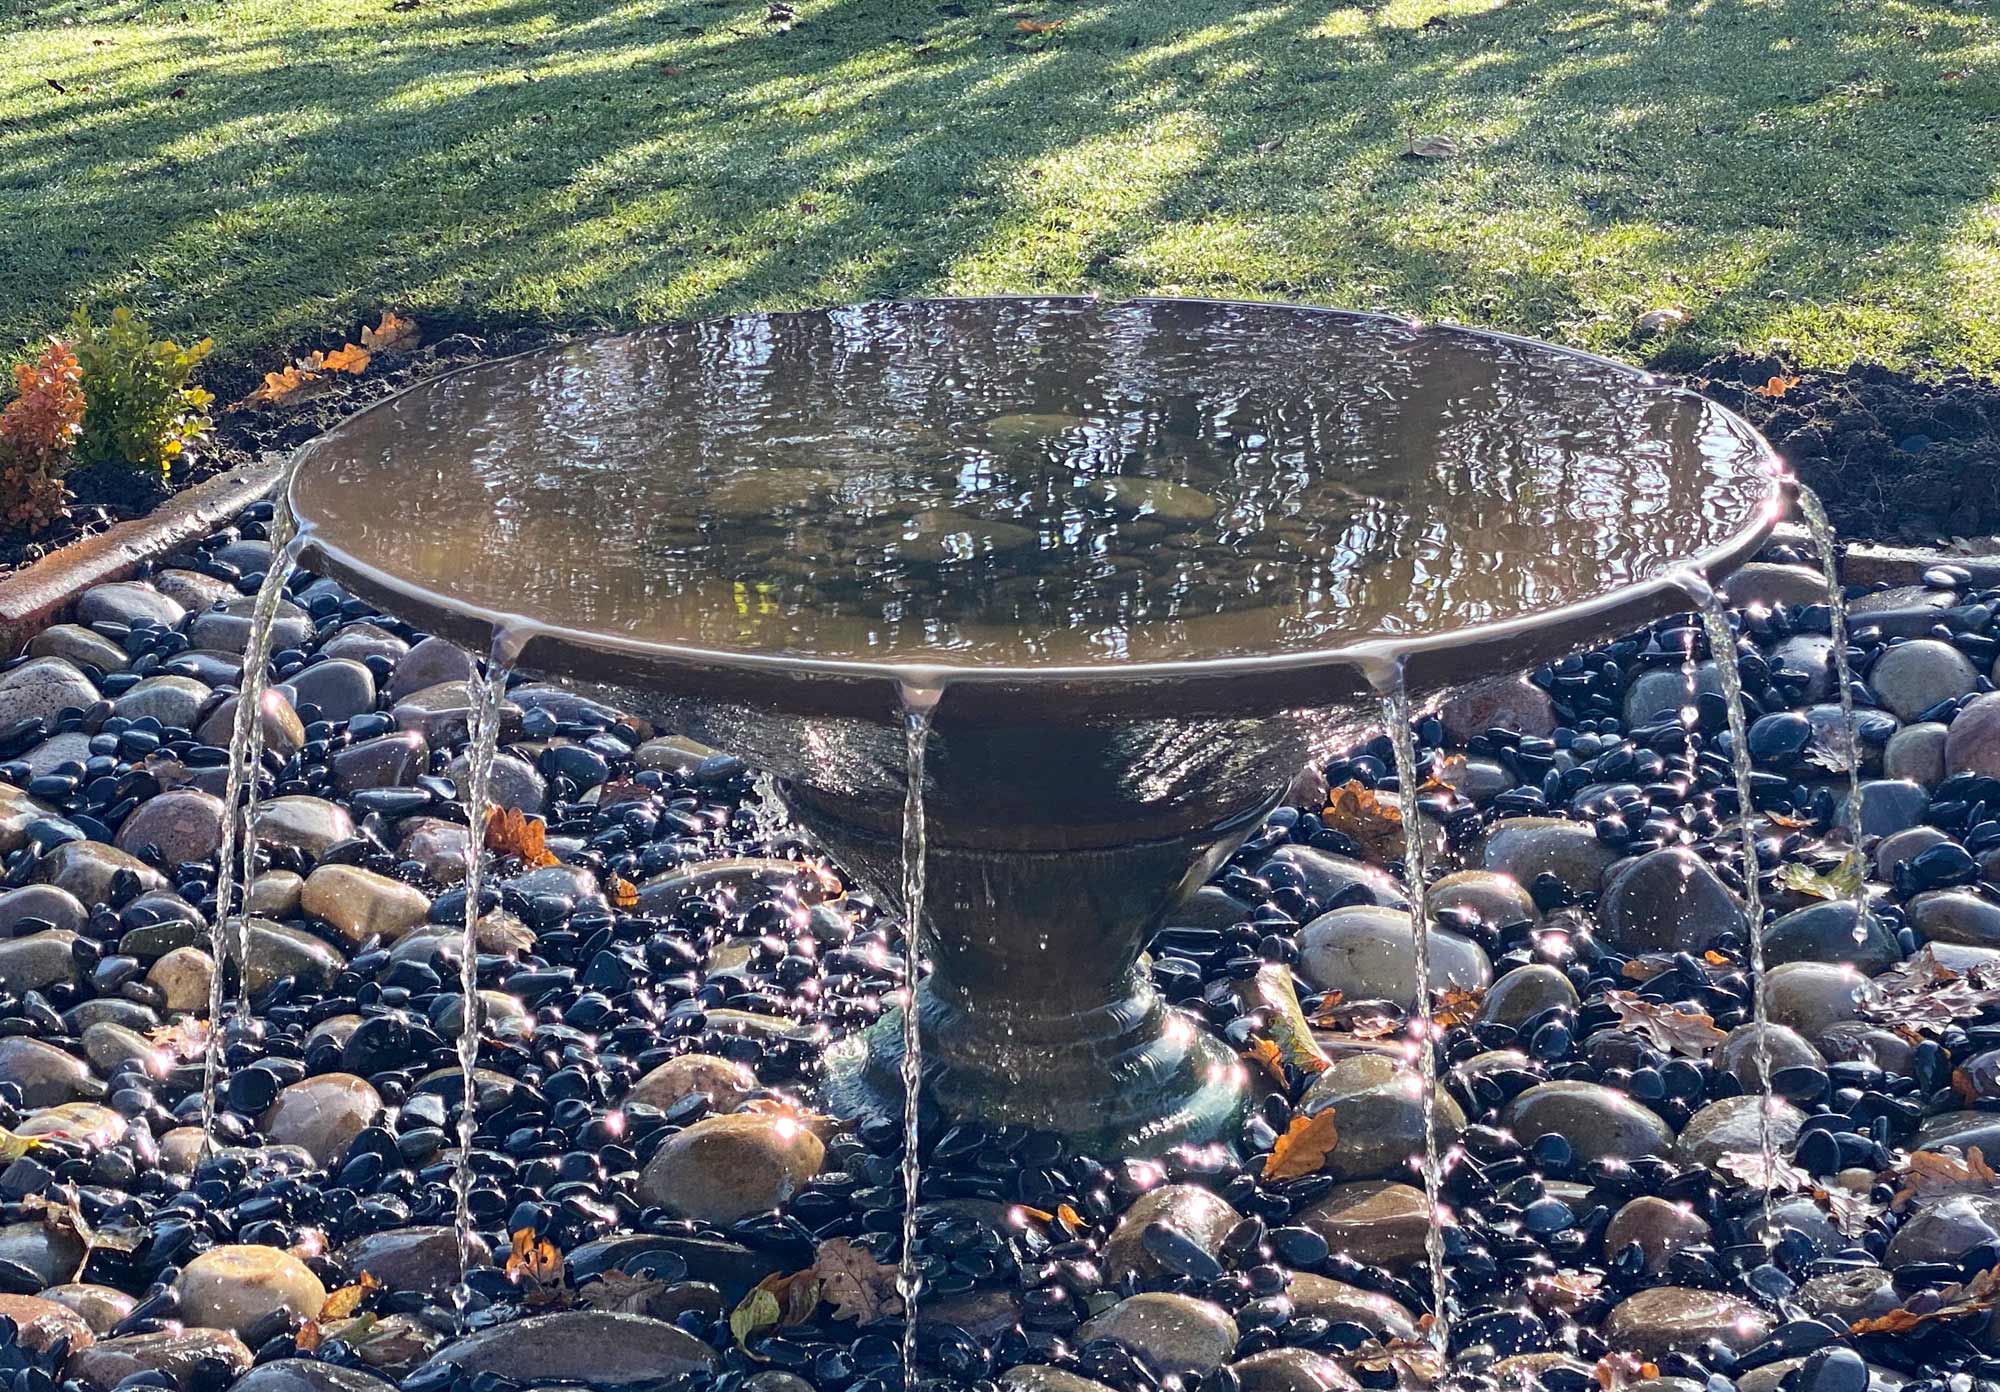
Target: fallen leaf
<point x="1717" y="959"/>
<point x="1431" y="147"/>
<point x="1370" y="819"/>
<point x="342" y="1304"/>
<point x="186" y="1038"/>
<point x="1071" y="1219"/>
<point x="511" y="832"/>
<point x="1659" y="321"/>
<point x="352" y="359"/>
<point x="1839" y="884"/>
<point x="537" y="1265"/>
<point x="1681" y="1032"/>
<point x="1269" y="146"/>
<point x="1789" y="823"/>
<point x="1776" y="387"/>
<point x="1930" y="1174"/>
<point x="1266" y="1055"/>
<point x="1974" y="1297"/>
<point x="755" y="1313"/>
<point x="307" y="1340"/>
<point x="279" y="385"/>
<point x="177" y="94"/>
<point x="13" y="1147"/>
<point x="1303" y="1149"/>
<point x="619" y="1293"/>
<point x="859" y="1287"/>
<point x="1565" y="1292"/>
<point x="1039" y="26"/>
<point x="1777" y="1174"/>
<point x="1456" y="1007"/>
<point x="393" y="334"/>
<point x="624" y="894"/>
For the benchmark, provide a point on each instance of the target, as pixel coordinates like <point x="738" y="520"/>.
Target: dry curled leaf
<point x="1931" y="1174"/>
<point x="1974" y="1297"/>
<point x="620" y="1293"/>
<point x="511" y="832"/>
<point x="858" y="1287"/>
<point x="1038" y="26"/>
<point x="1372" y="821"/>
<point x="394" y="334"/>
<point x="184" y="1039"/>
<point x="13" y="1147"/>
<point x="1267" y="1056"/>
<point x="1565" y="1292"/>
<point x="1691" y="1033"/>
<point x="342" y="1304"/>
<point x="1431" y="147"/>
<point x="278" y="386"/>
<point x="1457" y="1007"/>
<point x="1922" y="996"/>
<point x="1303" y="1149"/>
<point x="1659" y="321"/>
<point x="624" y="894"/>
<point x="352" y="359"/>
<point x="1838" y="885"/>
<point x="1776" y="387"/>
<point x="536" y="1265"/>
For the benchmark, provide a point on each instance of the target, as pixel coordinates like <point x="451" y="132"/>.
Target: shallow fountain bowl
<point x="1068" y="808"/>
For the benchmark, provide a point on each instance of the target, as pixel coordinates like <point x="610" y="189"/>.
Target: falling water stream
<point x="246" y="758"/>
<point x="1396" y="714"/>
<point x="919" y="703"/>
<point x="483" y="726"/>
<point x="1820" y="526"/>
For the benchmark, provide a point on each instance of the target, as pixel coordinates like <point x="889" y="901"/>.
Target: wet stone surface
<point x="646" y="1103"/>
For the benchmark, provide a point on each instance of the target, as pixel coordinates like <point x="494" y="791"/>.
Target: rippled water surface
<point x="1032" y="481"/>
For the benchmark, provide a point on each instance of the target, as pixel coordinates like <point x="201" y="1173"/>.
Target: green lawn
<point x="1811" y="175"/>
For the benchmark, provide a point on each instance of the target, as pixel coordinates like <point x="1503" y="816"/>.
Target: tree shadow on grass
<point x="534" y="160"/>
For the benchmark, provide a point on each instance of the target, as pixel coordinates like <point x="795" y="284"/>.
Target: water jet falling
<point x="1821" y="528"/>
<point x="1396" y="714"/>
<point x="483" y="723"/>
<point x="919" y="704"/>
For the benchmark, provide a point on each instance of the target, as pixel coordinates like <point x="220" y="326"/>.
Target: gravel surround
<point x="627" y="1049"/>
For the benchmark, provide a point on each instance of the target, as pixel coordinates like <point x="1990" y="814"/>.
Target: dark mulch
<point x="1895" y="457"/>
<point x="103" y="496"/>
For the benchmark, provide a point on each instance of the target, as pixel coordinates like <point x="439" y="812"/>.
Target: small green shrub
<point x="140" y="409"/>
<point x="38" y="430"/>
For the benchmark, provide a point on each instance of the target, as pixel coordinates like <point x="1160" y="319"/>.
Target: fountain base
<point x="1132" y="1077"/>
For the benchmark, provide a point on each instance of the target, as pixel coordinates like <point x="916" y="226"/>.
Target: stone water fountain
<point x="1106" y="575"/>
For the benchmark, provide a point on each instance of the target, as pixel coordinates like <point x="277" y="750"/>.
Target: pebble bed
<point x="681" y="968"/>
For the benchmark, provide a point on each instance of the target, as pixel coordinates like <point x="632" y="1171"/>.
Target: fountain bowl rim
<point x="1427" y="660"/>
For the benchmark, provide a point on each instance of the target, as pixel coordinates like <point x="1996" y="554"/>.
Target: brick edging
<point x="37" y="595"/>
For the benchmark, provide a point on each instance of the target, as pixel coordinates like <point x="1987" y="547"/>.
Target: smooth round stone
<point x="108" y="1045"/>
<point x="1856" y="1041"/>
<point x="1199" y="1215"/>
<point x="234" y="1287"/>
<point x="1888" y="805"/>
<point x="726" y="1083"/>
<point x="724" y="1168"/>
<point x="100" y="1307"/>
<point x="308" y="824"/>
<point x="1666" y="900"/>
<point x="1524" y="848"/>
<point x="1373" y="1221"/>
<point x="1290" y="1370"/>
<point x="361" y="641"/>
<point x="1600" y="1123"/>
<point x="226" y="628"/>
<point x="284" y="734"/>
<point x="1378" y="1113"/>
<point x="573" y="706"/>
<point x="1866" y="1293"/>
<point x="984" y="1314"/>
<point x="183" y="977"/>
<point x="1945" y="1230"/>
<point x="341" y="687"/>
<point x="322" y="1115"/>
<point x="191" y="589"/>
<point x="1506" y="703"/>
<point x="1904" y="846"/>
<point x="586" y="1346"/>
<point x="39" y="1323"/>
<point x="1767" y="584"/>
<point x="181" y="1149"/>
<point x="1812" y="997"/>
<point x="394" y="760"/>
<point x="433" y="662"/>
<point x="1740" y="1055"/>
<point x="54" y="1255"/>
<point x="51" y="754"/>
<point x="45" y="1074"/>
<point x="437" y="845"/>
<point x="128" y="602"/>
<point x="1662" y="691"/>
<point x="360" y="904"/>
<point x="776" y="1380"/>
<point x="1370" y="953"/>
<point x="1955" y="916"/>
<point x="515" y="782"/>
<point x="1659" y="1227"/>
<point x="1480" y="780"/>
<point x="85" y="1123"/>
<point x="1163" y="500"/>
<point x="38" y="962"/>
<point x="740" y="874"/>
<point x="1656" y="1322"/>
<point x="1801" y="1218"/>
<point x="398" y="1345"/>
<point x="1779" y="738"/>
<point x="57" y="908"/>
<point x="276" y="894"/>
<point x="1526" y="992"/>
<point x="410" y="1259"/>
<point x="1834" y="1368"/>
<point x="1176" y="1334"/>
<point x="87" y="868"/>
<point x="308" y="1375"/>
<point x="441" y="713"/>
<point x="175" y="702"/>
<point x="1045" y="1377"/>
<point x="278" y="950"/>
<point x="192" y="1359"/>
<point x="1491" y="898"/>
<point x="1824" y="932"/>
<point x="1916" y="753"/>
<point x="185" y="824"/>
<point x="1337" y="1302"/>
<point x="77" y="644"/>
<point x="1910" y="678"/>
<point x="499" y="1013"/>
<point x="1731" y="1124"/>
<point x="1973" y="744"/>
<point x="42" y="689"/>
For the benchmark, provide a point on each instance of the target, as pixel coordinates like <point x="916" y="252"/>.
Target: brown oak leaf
<point x="393" y="334"/>
<point x="511" y="832"/>
<point x="1374" y="822"/>
<point x="858" y="1287"/>
<point x="1691" y="1033"/>
<point x="1303" y="1149"/>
